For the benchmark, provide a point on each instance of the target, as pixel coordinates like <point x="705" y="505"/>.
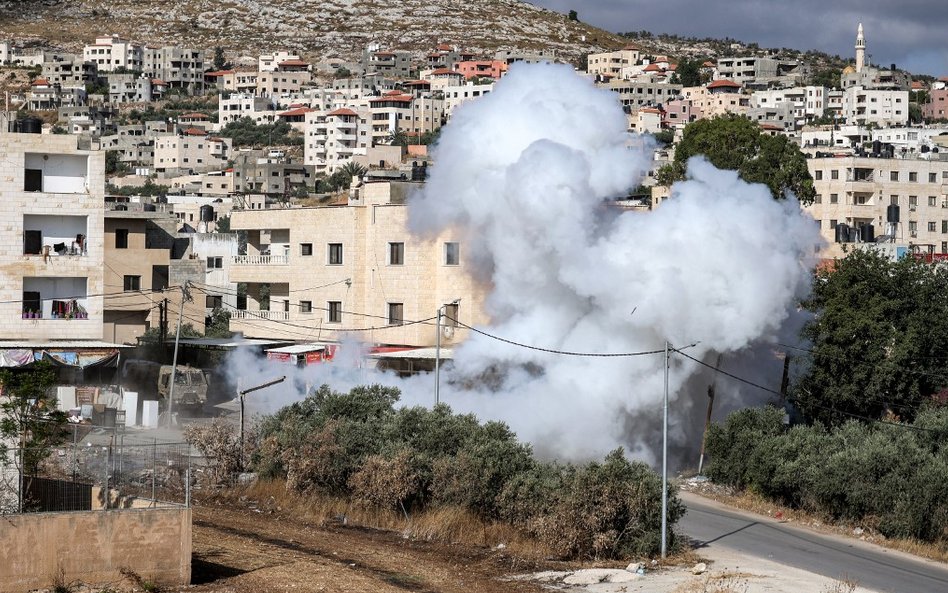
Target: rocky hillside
<point x="316" y="28"/>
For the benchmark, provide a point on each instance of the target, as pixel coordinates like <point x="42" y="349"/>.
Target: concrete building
<point x="218" y="250"/>
<point x="761" y="72"/>
<point x="177" y="67"/>
<point x="238" y="81"/>
<point x="282" y="82"/>
<point x="937" y="106"/>
<point x="270" y="62"/>
<point x="273" y="175"/>
<point x="395" y="111"/>
<point x="387" y="63"/>
<point x="719" y="97"/>
<point x="112" y="53"/>
<point x="66" y="70"/>
<point x="642" y="92"/>
<point x="612" y="62"/>
<point x="863" y="106"/>
<point x="130" y="88"/>
<point x="805" y="103"/>
<point x="241" y="105"/>
<point x="191" y="151"/>
<point x="51" y="246"/>
<point x="857" y="191"/>
<point x="456" y="95"/>
<point x="334" y="137"/>
<point x="494" y="69"/>
<point x="12" y="55"/>
<point x="351" y="268"/>
<point x="367" y="85"/>
<point x="870" y="77"/>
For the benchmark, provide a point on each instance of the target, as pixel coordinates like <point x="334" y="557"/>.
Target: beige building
<point x="146" y="262"/>
<point x="51" y="246"/>
<point x="351" y="268"/>
<point x="114" y="53"/>
<point x="720" y="97"/>
<point x="611" y="63"/>
<point x="192" y="151"/>
<point x="857" y="191"/>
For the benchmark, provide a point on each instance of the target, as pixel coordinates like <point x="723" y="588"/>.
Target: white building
<point x="806" y="102"/>
<point x="113" y="53"/>
<point x="875" y="106"/>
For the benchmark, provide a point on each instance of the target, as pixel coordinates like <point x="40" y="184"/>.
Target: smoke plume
<point x="526" y="174"/>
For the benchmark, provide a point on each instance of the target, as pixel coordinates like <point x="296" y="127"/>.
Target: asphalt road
<point x="873" y="567"/>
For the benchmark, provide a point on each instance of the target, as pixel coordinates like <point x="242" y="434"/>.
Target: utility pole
<point x="707" y="419"/>
<point x="185" y="296"/>
<point x="240" y="396"/>
<point x="665" y="461"/>
<point x="438" y="350"/>
<point x="162" y="322"/>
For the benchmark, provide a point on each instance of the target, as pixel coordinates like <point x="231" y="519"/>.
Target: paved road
<point x="873" y="567"/>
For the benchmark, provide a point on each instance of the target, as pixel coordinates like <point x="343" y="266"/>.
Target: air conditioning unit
<point x="447" y="331"/>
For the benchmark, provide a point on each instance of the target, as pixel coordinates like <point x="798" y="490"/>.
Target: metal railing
<point x="261" y="260"/>
<point x="272" y="315"/>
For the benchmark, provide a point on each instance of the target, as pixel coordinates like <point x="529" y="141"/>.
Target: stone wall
<point x="94" y="547"/>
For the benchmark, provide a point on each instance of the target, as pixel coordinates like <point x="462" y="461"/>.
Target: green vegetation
<point x="246" y="132"/>
<point x="688" y="73"/>
<point x="28" y="417"/>
<point x="828" y="77"/>
<point x="150" y="188"/>
<point x="359" y="445"/>
<point x="892" y="478"/>
<point x="735" y="142"/>
<point x="113" y="163"/>
<point x="340" y="179"/>
<point x="879" y="338"/>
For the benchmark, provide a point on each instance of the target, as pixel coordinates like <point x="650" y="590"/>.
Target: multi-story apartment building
<point x="277" y="176"/>
<point x="241" y="105"/>
<point x="51" y="245"/>
<point x="611" y="63"/>
<point x="805" y="102"/>
<point x="177" y="67"/>
<point x="874" y="106"/>
<point x="719" y="97"/>
<point x="937" y="105"/>
<point x="334" y="137"/>
<point x="15" y="56"/>
<point x="642" y="92"/>
<point x="271" y="62"/>
<point x="386" y="63"/>
<point x="356" y="87"/>
<point x="218" y="251"/>
<point x="394" y="112"/>
<point x="761" y="72"/>
<point x="856" y="191"/>
<point x="146" y="262"/>
<point x="282" y="82"/>
<point x="66" y="70"/>
<point x="191" y="151"/>
<point x="130" y="88"/>
<point x="482" y="69"/>
<point x="112" y="53"/>
<point x="239" y="81"/>
<point x="456" y="95"/>
<point x="352" y="268"/>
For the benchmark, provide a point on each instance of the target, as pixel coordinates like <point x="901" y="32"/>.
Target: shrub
<point x="385" y="482"/>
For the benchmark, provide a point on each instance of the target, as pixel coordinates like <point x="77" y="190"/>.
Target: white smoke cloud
<point x="525" y="173"/>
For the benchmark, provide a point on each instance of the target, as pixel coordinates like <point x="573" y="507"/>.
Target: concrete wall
<point x="94" y="546"/>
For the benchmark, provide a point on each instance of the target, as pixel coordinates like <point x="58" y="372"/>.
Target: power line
<point x="554" y="351"/>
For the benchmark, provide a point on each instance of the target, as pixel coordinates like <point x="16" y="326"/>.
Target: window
<point x="33" y="180"/>
<point x="335" y="311"/>
<point x="31" y="302"/>
<point x="396" y="313"/>
<point x="452" y="254"/>
<point x="819" y="174"/>
<point x="933" y="178"/>
<point x="932" y="227"/>
<point x="215" y="263"/>
<point x="335" y="254"/>
<point x="894" y="200"/>
<point x="121" y="238"/>
<point x="306" y="306"/>
<point x="396" y="254"/>
<point x="834" y="198"/>
<point x="913" y="177"/>
<point x="306" y="249"/>
<point x="132" y="283"/>
<point x="944" y="227"/>
<point x="893" y="175"/>
<point x="913" y="202"/>
<point x="931" y="200"/>
<point x="213" y="301"/>
<point x="450" y="317"/>
<point x="834" y="174"/>
<point x="832" y="223"/>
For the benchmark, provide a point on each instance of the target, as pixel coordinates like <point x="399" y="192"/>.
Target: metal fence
<point x="101" y="469"/>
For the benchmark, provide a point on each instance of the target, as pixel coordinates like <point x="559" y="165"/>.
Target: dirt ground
<point x="240" y="549"/>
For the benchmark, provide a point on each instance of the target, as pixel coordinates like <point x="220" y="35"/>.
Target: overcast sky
<point x="911" y="33"/>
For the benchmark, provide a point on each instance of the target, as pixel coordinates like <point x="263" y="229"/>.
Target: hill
<point x="315" y="28"/>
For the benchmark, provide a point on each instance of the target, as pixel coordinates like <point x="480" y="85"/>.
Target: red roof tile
<point x="342" y="111"/>
<point x="195" y="132"/>
<point x="441" y="71"/>
<point x="295" y="112"/>
<point x="217" y="73"/>
<point x="40" y="82"/>
<point x="724" y="83"/>
<point x="194" y="115"/>
<point x="400" y="98"/>
<point x="293" y="63"/>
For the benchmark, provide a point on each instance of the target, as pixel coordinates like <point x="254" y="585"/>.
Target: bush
<point x="357" y="445"/>
<point x="892" y="478"/>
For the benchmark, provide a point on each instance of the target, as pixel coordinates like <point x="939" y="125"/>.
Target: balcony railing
<point x="261" y="260"/>
<point x="270" y="315"/>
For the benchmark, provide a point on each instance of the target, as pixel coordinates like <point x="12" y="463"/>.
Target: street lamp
<point x="240" y="396"/>
<point x="438" y="351"/>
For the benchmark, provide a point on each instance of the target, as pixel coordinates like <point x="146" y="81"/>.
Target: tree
<point x="915" y="113"/>
<point x="688" y="73"/>
<point x="342" y="72"/>
<point x="829" y="78"/>
<point x="218" y="324"/>
<point x="879" y="338"/>
<point x="573" y="16"/>
<point x="398" y="138"/>
<point x="735" y="142"/>
<point x="29" y="421"/>
<point x="219" y="62"/>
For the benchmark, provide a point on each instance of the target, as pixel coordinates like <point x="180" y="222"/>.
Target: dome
<point x="849" y="70"/>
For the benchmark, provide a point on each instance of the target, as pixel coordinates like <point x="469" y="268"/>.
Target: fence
<point x="95" y="469"/>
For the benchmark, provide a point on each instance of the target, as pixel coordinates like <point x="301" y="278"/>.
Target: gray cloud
<point x="909" y="33"/>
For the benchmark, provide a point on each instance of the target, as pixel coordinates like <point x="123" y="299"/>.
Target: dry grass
<point x="722" y="582"/>
<point x="755" y="503"/>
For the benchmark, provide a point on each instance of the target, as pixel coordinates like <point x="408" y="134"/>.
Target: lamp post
<point x="438" y="352"/>
<point x="240" y="396"/>
<point x="665" y="460"/>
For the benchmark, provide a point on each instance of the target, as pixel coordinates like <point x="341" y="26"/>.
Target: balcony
<point x="268" y="315"/>
<point x="55" y="298"/>
<point x="54" y="236"/>
<point x="261" y="260"/>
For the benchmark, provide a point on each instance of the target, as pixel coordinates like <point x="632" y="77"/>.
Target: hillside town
<point x="177" y="214"/>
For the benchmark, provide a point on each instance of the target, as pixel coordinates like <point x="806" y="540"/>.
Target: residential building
<point x="397" y="112"/>
<point x="761" y="72"/>
<point x="456" y="95"/>
<point x="805" y="102"/>
<point x="146" y="263"/>
<point x="130" y="88"/>
<point x="719" y="97"/>
<point x="51" y="253"/>
<point x="857" y="191"/>
<point x="240" y="105"/>
<point x="334" y="137"/>
<point x="642" y="92"/>
<point x="67" y="70"/>
<point x="15" y="56"/>
<point x="176" y="67"/>
<point x="352" y="270"/>
<point x="218" y="251"/>
<point x="191" y="151"/>
<point x="270" y="62"/>
<point x="238" y="81"/>
<point x="272" y="175"/>
<point x="677" y="113"/>
<point x="937" y="106"/>
<point x="482" y="69"/>
<point x="870" y="77"/>
<point x="875" y="106"/>
<point x="282" y="82"/>
<point x="387" y="63"/>
<point x="613" y="62"/>
<point x="511" y="56"/>
<point x="113" y="54"/>
<point x="367" y="85"/>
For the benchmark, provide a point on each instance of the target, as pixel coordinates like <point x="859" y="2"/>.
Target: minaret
<point x="860" y="49"/>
